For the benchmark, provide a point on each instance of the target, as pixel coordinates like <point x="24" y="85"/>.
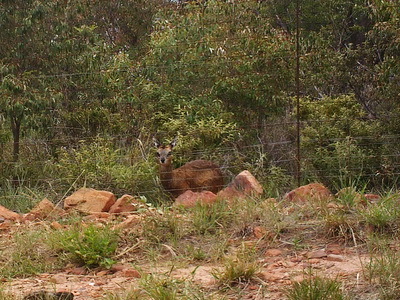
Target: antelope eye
<point x="158" y="154"/>
<point x="169" y="154"/>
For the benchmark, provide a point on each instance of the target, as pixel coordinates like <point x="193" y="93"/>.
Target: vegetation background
<point x="85" y="85"/>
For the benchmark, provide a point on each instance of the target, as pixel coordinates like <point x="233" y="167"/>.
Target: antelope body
<point x="196" y="175"/>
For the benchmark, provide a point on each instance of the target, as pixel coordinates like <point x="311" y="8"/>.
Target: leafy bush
<point x="335" y="142"/>
<point x="99" y="165"/>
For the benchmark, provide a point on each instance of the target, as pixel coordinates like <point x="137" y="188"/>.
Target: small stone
<point x="77" y="271"/>
<point x="58" y="279"/>
<point x="130" y="272"/>
<point x="372" y="197"/>
<point x="335" y="257"/>
<point x="273" y="276"/>
<point x="317" y="254"/>
<point x="259" y="232"/>
<point x="273" y="252"/>
<point x="56" y="225"/>
<point x="117" y="268"/>
<point x="334" y="249"/>
<point x="102" y="273"/>
<point x="314" y="261"/>
<point x="126" y="203"/>
<point x="129" y="222"/>
<point x="190" y="198"/>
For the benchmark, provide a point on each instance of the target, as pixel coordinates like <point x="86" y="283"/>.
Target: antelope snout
<point x="162" y="160"/>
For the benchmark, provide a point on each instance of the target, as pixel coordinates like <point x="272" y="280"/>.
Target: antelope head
<point x="164" y="152"/>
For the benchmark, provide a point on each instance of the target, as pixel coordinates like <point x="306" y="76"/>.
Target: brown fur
<point x="196" y="175"/>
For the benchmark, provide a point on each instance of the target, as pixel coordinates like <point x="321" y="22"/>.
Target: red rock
<point x="43" y="210"/>
<point x="130" y="272"/>
<point x="297" y="278"/>
<point x="312" y="261"/>
<point x="259" y="232"/>
<point x="90" y="201"/>
<point x="190" y="199"/>
<point x="273" y="252"/>
<point x="309" y="192"/>
<point x="56" y="225"/>
<point x="317" y="254"/>
<point x="101" y="215"/>
<point x="244" y="185"/>
<point x="130" y="221"/>
<point x="335" y="257"/>
<point x="117" y="268"/>
<point x="334" y="249"/>
<point x="102" y="273"/>
<point x="125" y="271"/>
<point x="372" y="197"/>
<point x="77" y="271"/>
<point x="273" y="276"/>
<point x="7" y="214"/>
<point x="58" y="278"/>
<point x="126" y="203"/>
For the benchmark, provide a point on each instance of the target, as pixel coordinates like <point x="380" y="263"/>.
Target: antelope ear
<point x="174" y="142"/>
<point x="156" y="142"/>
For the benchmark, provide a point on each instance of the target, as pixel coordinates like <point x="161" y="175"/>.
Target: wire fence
<point x="289" y="150"/>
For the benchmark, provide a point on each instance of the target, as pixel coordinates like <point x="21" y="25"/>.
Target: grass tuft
<point x="29" y="255"/>
<point x="239" y="268"/>
<point x="384" y="270"/>
<point x="89" y="246"/>
<point x="316" y="288"/>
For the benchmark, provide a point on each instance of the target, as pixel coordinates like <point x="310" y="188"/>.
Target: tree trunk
<point x="16" y="131"/>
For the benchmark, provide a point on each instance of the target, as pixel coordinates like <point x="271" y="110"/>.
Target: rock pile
<point x="101" y="204"/>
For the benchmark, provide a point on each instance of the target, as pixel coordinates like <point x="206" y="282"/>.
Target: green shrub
<point x="89" y="246"/>
<point x="336" y="149"/>
<point x="100" y="165"/>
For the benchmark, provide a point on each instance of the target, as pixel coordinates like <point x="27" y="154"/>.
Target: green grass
<point x="19" y="199"/>
<point x="165" y="287"/>
<point x="28" y="255"/>
<point x="90" y="246"/>
<point x="316" y="288"/>
<point x="239" y="268"/>
<point x="384" y="217"/>
<point x="210" y="218"/>
<point x="383" y="269"/>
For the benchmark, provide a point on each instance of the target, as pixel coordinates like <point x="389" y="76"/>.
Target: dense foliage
<point x="85" y="85"/>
